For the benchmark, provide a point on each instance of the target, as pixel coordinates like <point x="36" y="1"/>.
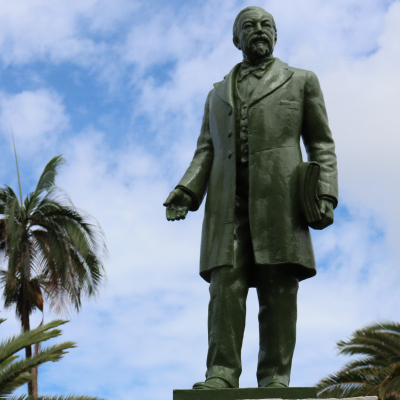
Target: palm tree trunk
<point x="26" y="327"/>
<point x="26" y="306"/>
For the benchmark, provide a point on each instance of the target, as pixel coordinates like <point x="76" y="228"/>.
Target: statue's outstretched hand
<point x="326" y="208"/>
<point x="178" y="203"/>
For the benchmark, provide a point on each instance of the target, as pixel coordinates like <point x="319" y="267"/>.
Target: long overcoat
<point x="286" y="105"/>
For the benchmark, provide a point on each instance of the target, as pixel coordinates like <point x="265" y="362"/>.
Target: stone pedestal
<point x="292" y="393"/>
<point x="247" y="394"/>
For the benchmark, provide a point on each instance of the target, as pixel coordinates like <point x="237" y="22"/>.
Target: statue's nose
<point x="258" y="27"/>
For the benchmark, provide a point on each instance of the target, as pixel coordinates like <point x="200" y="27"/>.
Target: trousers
<point x="276" y="286"/>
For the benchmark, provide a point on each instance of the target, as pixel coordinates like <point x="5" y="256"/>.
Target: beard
<point x="259" y="47"/>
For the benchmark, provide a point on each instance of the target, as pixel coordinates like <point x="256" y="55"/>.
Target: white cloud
<point x="363" y="100"/>
<point x="37" y="118"/>
<point x="146" y="334"/>
<point x="59" y="31"/>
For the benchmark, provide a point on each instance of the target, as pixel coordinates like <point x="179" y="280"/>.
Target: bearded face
<point x="259" y="46"/>
<point x="256" y="35"/>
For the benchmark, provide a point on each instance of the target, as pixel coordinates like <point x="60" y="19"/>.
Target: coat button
<point x="230" y="154"/>
<point x="229" y="133"/>
<point x="230" y="111"/>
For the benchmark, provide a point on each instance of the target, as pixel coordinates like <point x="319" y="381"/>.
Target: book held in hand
<point x="308" y="183"/>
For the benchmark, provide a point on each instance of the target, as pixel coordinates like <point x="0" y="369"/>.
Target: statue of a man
<point x="254" y="233"/>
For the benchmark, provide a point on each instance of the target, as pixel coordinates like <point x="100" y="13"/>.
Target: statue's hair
<point x="236" y="29"/>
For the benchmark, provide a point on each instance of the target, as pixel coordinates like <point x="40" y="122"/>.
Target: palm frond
<point x="365" y="363"/>
<point x="374" y="342"/>
<point x="68" y="397"/>
<point x="10" y="377"/>
<point x="51" y="170"/>
<point x="386" y="326"/>
<point x="391" y="381"/>
<point x="32" y="201"/>
<point x="16" y="162"/>
<point x="20" y="289"/>
<point x="7" y="197"/>
<point x="16" y="343"/>
<point x="393" y="387"/>
<point x="346" y="383"/>
<point x="17" y="381"/>
<point x="67" y="247"/>
<point x="376" y="373"/>
<point x="7" y="362"/>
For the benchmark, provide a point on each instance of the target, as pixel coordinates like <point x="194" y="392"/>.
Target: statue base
<point x="247" y="394"/>
<point x="309" y="393"/>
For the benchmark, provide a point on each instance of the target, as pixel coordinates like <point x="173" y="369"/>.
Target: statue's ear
<point x="236" y="42"/>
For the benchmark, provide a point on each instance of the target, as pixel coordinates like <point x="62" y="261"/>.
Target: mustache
<point x="262" y="38"/>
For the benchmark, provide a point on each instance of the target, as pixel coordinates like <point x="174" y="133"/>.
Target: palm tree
<point x="54" y="252"/>
<point x="15" y="374"/>
<point x="375" y="373"/>
<point x="70" y="397"/>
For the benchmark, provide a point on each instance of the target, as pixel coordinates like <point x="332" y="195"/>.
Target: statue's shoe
<point x="212" y="383"/>
<point x="276" y="385"/>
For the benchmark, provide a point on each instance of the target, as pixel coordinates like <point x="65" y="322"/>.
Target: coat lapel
<point x="225" y="88"/>
<point x="277" y="75"/>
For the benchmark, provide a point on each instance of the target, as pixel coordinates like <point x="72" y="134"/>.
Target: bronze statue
<point x="255" y="234"/>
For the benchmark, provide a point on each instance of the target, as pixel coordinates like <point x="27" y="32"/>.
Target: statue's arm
<point x="195" y="179"/>
<point x="320" y="147"/>
<point x="192" y="188"/>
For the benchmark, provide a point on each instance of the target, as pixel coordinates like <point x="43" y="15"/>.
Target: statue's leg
<point x="277" y="294"/>
<point x="227" y="308"/>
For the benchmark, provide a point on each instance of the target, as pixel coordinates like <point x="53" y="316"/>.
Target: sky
<point x="118" y="88"/>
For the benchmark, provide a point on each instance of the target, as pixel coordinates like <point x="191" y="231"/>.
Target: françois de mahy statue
<point x="261" y="200"/>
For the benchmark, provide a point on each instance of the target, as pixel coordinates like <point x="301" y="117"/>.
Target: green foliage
<point x="375" y="373"/>
<point x="14" y="374"/>
<point x="54" y="251"/>
<point x="71" y="397"/>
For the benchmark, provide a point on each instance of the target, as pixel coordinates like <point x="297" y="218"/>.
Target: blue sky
<point x="118" y="88"/>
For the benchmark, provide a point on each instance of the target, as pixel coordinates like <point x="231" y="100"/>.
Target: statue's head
<point x="254" y="32"/>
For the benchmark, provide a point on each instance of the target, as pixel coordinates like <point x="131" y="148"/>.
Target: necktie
<point x="257" y="70"/>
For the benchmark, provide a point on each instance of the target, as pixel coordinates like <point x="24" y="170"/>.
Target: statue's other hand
<point x="178" y="203"/>
<point x="326" y="209"/>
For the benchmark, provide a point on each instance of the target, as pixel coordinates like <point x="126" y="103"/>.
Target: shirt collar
<point x="258" y="69"/>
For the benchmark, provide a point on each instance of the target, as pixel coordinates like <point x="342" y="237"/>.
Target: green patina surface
<point x="255" y="232"/>
<point x="247" y="393"/>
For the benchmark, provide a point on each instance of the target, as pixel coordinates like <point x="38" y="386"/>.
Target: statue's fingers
<point x="184" y="211"/>
<point x="171" y="214"/>
<point x="180" y="214"/>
